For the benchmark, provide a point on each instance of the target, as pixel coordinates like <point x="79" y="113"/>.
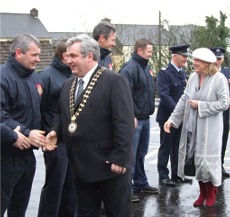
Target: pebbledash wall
<point x="45" y="57"/>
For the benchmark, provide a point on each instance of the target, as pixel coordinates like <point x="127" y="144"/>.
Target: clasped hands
<point x="47" y="143"/>
<point x="51" y="141"/>
<point x="36" y="138"/>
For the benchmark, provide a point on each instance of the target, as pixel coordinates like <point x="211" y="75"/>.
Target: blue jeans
<point x="140" y="150"/>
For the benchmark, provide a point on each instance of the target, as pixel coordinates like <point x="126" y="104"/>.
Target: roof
<point x="56" y="36"/>
<point x="13" y="24"/>
<point x="129" y="33"/>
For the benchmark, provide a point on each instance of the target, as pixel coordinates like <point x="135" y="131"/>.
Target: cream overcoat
<point x="213" y="97"/>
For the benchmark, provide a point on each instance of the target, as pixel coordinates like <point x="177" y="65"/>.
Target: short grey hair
<point x="23" y="42"/>
<point x="87" y="44"/>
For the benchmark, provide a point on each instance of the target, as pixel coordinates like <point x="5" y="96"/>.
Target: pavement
<point x="170" y="202"/>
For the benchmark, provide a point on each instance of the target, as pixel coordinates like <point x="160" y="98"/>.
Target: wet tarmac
<point x="177" y="202"/>
<point x="170" y="202"/>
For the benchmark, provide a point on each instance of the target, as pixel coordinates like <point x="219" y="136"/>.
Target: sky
<point x="83" y="15"/>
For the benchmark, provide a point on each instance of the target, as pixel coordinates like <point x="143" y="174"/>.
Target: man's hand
<point x="51" y="141"/>
<point x="117" y="169"/>
<point x="22" y="142"/>
<point x="37" y="138"/>
<point x="135" y="123"/>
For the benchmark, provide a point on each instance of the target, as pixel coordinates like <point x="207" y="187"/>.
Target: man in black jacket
<point x="21" y="92"/>
<point x="141" y="82"/>
<point x="97" y="126"/>
<point x="105" y="34"/>
<point x="58" y="193"/>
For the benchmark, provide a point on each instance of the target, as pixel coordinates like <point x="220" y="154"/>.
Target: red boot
<point x="211" y="192"/>
<point x="202" y="197"/>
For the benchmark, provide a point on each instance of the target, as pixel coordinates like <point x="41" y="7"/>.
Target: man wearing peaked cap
<point x="219" y="53"/>
<point x="180" y="49"/>
<point x="171" y="82"/>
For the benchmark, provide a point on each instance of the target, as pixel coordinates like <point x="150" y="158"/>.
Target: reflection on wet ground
<point x="178" y="202"/>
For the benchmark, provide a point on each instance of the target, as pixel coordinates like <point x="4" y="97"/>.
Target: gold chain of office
<point x="73" y="125"/>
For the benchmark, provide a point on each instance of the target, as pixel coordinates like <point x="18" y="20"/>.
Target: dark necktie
<point x="80" y="89"/>
<point x="182" y="74"/>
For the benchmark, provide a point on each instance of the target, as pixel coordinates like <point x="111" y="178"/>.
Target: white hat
<point x="204" y="54"/>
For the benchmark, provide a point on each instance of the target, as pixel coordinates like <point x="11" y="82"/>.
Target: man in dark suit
<point x="219" y="53"/>
<point x="98" y="129"/>
<point x="171" y="82"/>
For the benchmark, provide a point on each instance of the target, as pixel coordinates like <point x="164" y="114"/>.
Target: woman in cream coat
<point x="200" y="108"/>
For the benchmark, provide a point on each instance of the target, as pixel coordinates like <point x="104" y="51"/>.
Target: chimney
<point x="34" y="12"/>
<point x="106" y="20"/>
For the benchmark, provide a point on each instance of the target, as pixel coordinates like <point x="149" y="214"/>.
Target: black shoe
<point x="224" y="173"/>
<point x="168" y="182"/>
<point x="149" y="189"/>
<point x="180" y="180"/>
<point x="134" y="198"/>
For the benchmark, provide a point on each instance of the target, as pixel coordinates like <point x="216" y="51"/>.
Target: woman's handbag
<point x="189" y="167"/>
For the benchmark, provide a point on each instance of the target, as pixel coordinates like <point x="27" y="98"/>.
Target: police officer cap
<point x="180" y="49"/>
<point x="204" y="54"/>
<point x="218" y="51"/>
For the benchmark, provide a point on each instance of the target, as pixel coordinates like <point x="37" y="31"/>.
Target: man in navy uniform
<point x="219" y="53"/>
<point x="171" y="82"/>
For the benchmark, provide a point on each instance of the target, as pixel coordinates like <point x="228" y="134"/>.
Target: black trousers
<point x="115" y="194"/>
<point x="224" y="141"/>
<point x="17" y="173"/>
<point x="169" y="145"/>
<point x="58" y="195"/>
